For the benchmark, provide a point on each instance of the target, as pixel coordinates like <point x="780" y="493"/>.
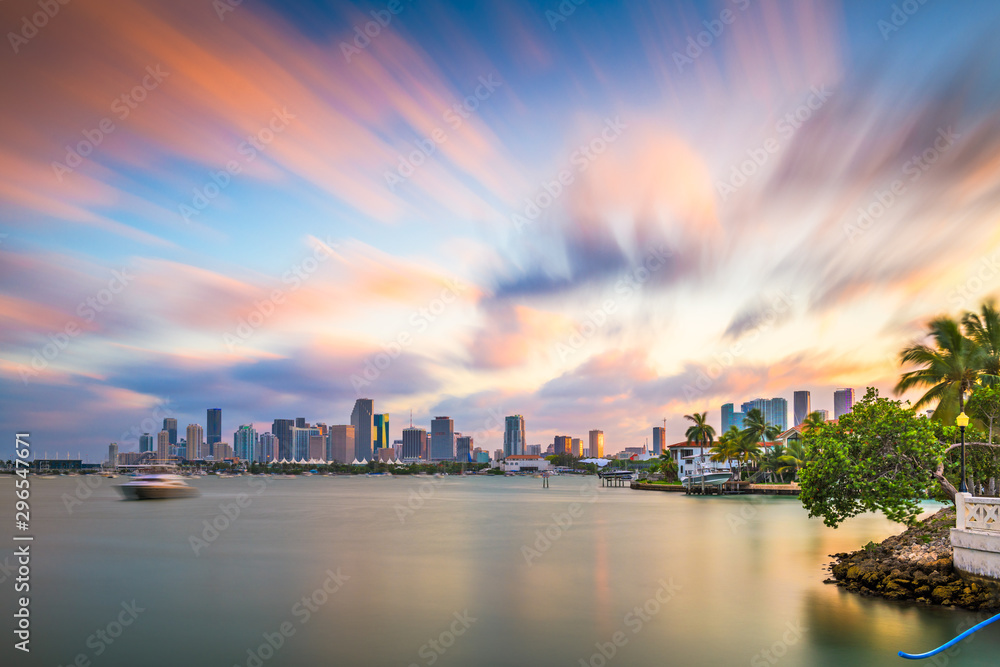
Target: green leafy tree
<point x="984" y="406"/>
<point x="813" y="420"/>
<point x="771" y="460"/>
<point x="668" y="467"/>
<point x="983" y="328"/>
<point x="727" y="449"/>
<point x="795" y="458"/>
<point x="879" y="457"/>
<point x="701" y="432"/>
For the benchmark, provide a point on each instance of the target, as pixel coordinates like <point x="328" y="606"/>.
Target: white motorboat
<point x="157" y="487"/>
<point x="707" y="477"/>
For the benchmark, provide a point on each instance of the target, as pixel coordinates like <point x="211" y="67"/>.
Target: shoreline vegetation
<point x="915" y="566"/>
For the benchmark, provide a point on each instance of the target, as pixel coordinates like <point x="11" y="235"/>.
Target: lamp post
<point x="962" y="420"/>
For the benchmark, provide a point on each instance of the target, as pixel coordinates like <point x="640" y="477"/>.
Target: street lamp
<point x="962" y="420"/>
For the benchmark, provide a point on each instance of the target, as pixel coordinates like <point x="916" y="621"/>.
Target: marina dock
<point x="729" y="488"/>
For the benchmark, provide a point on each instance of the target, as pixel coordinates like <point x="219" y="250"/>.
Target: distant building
<point x="245" y="443"/>
<point x="525" y="463"/>
<point x="513" y="435"/>
<point x="282" y="430"/>
<point x="113" y="455"/>
<point x="824" y="414"/>
<point x="497" y="454"/>
<point x="267" y="447"/>
<point x="802" y="406"/>
<point x="222" y="451"/>
<point x="381" y="424"/>
<point x="482" y="457"/>
<point x="843" y="402"/>
<point x="195" y="436"/>
<point x="659" y="433"/>
<point x="562" y="444"/>
<point x="534" y="450"/>
<point x="213" y="429"/>
<point x="300" y="422"/>
<point x="727" y="416"/>
<point x="317" y="445"/>
<point x="463" y="448"/>
<point x="163" y="445"/>
<point x="576" y="447"/>
<point x="170" y="426"/>
<point x="363" y="421"/>
<point x="596" y="449"/>
<point x="777" y="413"/>
<point x="301" y="441"/>
<point x="414" y="443"/>
<point x="442" y="439"/>
<point x="340" y="442"/>
<point x="145" y="443"/>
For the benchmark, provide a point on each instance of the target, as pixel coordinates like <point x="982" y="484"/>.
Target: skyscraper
<point x="245" y="443"/>
<point x="282" y="430"/>
<point x="195" y="435"/>
<point x="513" y="436"/>
<point x="659" y="435"/>
<point x="727" y="417"/>
<point x="843" y="402"/>
<point x="777" y="413"/>
<point x="562" y="444"/>
<point x="267" y="447"/>
<point x="803" y="406"/>
<point x="755" y="404"/>
<point x="463" y="448"/>
<point x="442" y="439"/>
<point x="576" y="447"/>
<point x="596" y="444"/>
<point x="381" y="425"/>
<point x="145" y="443"/>
<point x="113" y="455"/>
<point x="300" y="422"/>
<point x="362" y="419"/>
<point x="301" y="441"/>
<point x="414" y="442"/>
<point x="824" y="414"/>
<point x="170" y="426"/>
<point x="163" y="445"/>
<point x="340" y="444"/>
<point x="213" y="428"/>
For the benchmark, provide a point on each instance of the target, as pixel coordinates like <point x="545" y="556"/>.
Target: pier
<point x="728" y="488"/>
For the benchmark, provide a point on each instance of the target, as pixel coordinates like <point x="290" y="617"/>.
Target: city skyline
<point x="500" y="214"/>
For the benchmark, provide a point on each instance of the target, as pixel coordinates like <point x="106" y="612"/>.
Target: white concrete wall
<point x="975" y="540"/>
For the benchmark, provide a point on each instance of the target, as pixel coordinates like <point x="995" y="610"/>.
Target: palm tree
<point x="701" y="432"/>
<point x="812" y="422"/>
<point x="756" y="431"/>
<point x="772" y="461"/>
<point x="796" y="457"/>
<point x="983" y="329"/>
<point x="727" y="447"/>
<point x="668" y="467"/>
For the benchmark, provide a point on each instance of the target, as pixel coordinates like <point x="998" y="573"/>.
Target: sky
<point x="597" y="215"/>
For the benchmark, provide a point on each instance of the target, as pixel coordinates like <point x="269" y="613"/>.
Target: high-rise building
<point x="170" y="426"/>
<point x="363" y="421"/>
<point x="113" y="455"/>
<point x="267" y="447"/>
<point x="727" y="416"/>
<point x="513" y="436"/>
<point x="755" y="404"/>
<point x="301" y="441"/>
<point x="659" y="438"/>
<point x="777" y="413"/>
<point x="824" y="414"/>
<point x="802" y="406"/>
<point x="245" y="443"/>
<point x="282" y="430"/>
<point x="317" y="445"/>
<point x="498" y="455"/>
<point x="145" y="443"/>
<point x="300" y="422"/>
<point x="222" y="451"/>
<point x="596" y="448"/>
<point x="562" y="444"/>
<point x="195" y="435"/>
<point x="414" y="442"/>
<point x="381" y="425"/>
<point x="213" y="429"/>
<point x="442" y="439"/>
<point x="843" y="402"/>
<point x="576" y="447"/>
<point x="163" y="445"/>
<point x="534" y="450"/>
<point x="463" y="448"/>
<point x="340" y="444"/>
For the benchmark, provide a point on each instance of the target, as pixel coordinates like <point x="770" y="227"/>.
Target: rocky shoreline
<point x="915" y="565"/>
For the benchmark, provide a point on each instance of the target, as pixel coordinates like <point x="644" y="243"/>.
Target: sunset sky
<point x="597" y="218"/>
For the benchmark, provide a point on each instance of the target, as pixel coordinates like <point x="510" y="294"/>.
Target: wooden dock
<point x="729" y="488"/>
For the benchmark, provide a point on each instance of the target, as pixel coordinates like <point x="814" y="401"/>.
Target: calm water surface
<point x="452" y="571"/>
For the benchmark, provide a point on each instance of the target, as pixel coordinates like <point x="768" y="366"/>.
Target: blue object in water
<point x="921" y="656"/>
